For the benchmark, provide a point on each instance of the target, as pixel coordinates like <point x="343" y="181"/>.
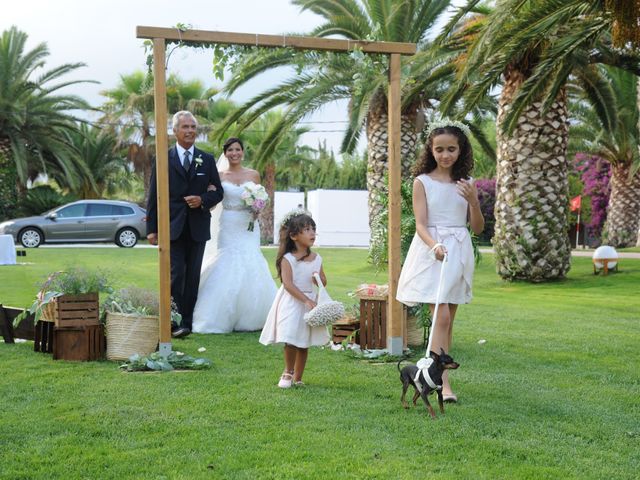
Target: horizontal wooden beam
<point x="273" y="41"/>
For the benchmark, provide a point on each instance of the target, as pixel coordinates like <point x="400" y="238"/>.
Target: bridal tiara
<point x="445" y="122"/>
<point x="293" y="213"/>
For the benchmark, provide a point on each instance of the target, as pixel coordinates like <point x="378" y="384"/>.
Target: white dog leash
<point x="438" y="292"/>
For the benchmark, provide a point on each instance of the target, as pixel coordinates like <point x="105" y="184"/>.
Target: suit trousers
<point x="186" y="262"/>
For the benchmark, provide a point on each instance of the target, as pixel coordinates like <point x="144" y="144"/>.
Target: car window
<point x="100" y="210"/>
<point x="72" y="211"/>
<point x="122" y="210"/>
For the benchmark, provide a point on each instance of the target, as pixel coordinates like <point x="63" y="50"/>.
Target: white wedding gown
<point x="236" y="286"/>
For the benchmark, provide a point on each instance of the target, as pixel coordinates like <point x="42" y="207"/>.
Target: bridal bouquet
<point x="256" y="198"/>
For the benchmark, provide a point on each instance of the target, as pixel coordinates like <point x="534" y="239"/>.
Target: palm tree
<point x="97" y="149"/>
<point x="607" y="126"/>
<point x="34" y="119"/>
<point x="323" y="78"/>
<point x="129" y="113"/>
<point x="531" y="47"/>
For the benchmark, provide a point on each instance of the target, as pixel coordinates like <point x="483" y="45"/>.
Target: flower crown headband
<point x="293" y="213"/>
<point x="445" y="122"/>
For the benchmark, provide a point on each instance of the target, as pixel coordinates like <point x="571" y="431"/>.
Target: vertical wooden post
<point x="162" y="182"/>
<point x="395" y="317"/>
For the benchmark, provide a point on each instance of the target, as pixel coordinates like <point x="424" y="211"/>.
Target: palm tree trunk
<point x="266" y="220"/>
<point x="378" y="162"/>
<point x="378" y="159"/>
<point x="530" y="240"/>
<point x="638" y="103"/>
<point x="621" y="227"/>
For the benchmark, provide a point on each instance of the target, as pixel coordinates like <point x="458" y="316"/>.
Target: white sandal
<point x="286" y="380"/>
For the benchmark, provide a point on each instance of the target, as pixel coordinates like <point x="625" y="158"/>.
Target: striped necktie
<point x="185" y="160"/>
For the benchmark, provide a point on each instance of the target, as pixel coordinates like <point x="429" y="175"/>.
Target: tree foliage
<point x="35" y="118"/>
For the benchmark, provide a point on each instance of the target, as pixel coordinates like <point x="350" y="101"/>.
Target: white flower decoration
<point x="293" y="213"/>
<point x="198" y="160"/>
<point x="324" y="314"/>
<point x="445" y="122"/>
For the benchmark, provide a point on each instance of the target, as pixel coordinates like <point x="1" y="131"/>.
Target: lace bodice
<point x="232" y="195"/>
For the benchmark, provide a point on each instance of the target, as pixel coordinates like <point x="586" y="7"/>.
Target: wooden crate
<point x="72" y="310"/>
<point x="82" y="343"/>
<point x="346" y="328"/>
<point x="43" y="337"/>
<point x="373" y="321"/>
<point x="25" y="328"/>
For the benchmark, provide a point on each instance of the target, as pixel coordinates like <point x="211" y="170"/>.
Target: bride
<point x="236" y="287"/>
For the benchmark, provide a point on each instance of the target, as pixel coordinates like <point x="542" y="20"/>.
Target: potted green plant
<point x="66" y="303"/>
<point x="69" y="298"/>
<point x="131" y="322"/>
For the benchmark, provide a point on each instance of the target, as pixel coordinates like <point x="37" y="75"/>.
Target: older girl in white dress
<point x="236" y="286"/>
<point x="444" y="200"/>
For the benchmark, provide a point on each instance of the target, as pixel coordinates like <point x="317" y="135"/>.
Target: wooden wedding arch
<point x="393" y="50"/>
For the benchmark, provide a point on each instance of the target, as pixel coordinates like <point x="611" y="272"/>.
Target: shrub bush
<point x="595" y="173"/>
<point x="487" y="196"/>
<point x="41" y="199"/>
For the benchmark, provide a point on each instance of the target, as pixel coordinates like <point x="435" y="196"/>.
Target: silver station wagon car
<point x="82" y="221"/>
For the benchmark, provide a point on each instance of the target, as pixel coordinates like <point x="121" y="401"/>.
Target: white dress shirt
<point x="181" y="151"/>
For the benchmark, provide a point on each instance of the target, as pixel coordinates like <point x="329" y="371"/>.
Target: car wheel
<point x="127" y="237"/>
<point x="31" y="237"/>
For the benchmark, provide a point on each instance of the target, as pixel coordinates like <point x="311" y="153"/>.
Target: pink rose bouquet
<point x="255" y="197"/>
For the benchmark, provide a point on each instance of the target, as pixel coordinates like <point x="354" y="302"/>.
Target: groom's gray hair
<point x="178" y="115"/>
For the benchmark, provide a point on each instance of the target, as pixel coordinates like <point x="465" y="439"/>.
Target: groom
<point x="194" y="188"/>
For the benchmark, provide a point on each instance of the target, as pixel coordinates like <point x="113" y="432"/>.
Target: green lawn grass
<point x="553" y="393"/>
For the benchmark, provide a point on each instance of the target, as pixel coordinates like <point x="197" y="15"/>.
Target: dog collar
<point x="423" y="367"/>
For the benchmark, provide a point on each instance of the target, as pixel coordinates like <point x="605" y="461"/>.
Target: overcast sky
<point x="101" y="34"/>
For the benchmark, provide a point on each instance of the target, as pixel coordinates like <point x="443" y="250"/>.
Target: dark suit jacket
<point x="182" y="184"/>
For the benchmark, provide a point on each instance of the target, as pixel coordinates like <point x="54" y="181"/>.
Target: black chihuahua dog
<point x="426" y="377"/>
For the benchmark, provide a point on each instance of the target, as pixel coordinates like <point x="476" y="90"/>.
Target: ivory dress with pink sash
<point x="447" y="224"/>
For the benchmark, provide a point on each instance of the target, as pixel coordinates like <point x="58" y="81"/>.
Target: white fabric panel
<point x="341" y="217"/>
<point x="7" y="250"/>
<point x="283" y="203"/>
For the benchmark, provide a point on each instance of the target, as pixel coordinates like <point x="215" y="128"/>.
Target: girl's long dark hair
<point x="293" y="226"/>
<point x="463" y="166"/>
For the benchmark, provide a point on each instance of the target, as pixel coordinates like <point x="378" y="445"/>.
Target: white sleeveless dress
<point x="447" y="224"/>
<point x="236" y="286"/>
<point x="285" y="322"/>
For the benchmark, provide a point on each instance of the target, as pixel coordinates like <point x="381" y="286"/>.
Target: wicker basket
<point x="128" y="334"/>
<point x="414" y="332"/>
<point x="48" y="313"/>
